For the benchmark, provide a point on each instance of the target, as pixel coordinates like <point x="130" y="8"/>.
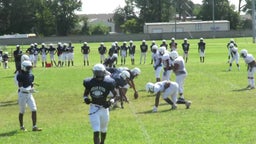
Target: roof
<point x="98" y="17"/>
<point x="188" y="22"/>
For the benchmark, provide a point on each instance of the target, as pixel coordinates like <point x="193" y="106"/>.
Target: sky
<point x="108" y="6"/>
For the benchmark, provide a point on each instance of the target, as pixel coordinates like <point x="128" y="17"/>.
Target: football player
<point x="173" y="45"/>
<point x="70" y="54"/>
<point x="97" y="88"/>
<point x="52" y="51"/>
<point x="201" y="49"/>
<point x="166" y="61"/>
<point x="185" y="47"/>
<point x="102" y="51"/>
<point x="123" y="53"/>
<point x="25" y="82"/>
<point x="234" y="56"/>
<point x="143" y="50"/>
<point x="43" y="51"/>
<point x="85" y="49"/>
<point x="251" y="67"/>
<point x="157" y="63"/>
<point x="179" y="69"/>
<point x="131" y="49"/>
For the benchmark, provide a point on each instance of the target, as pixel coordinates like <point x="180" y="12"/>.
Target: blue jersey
<point x="25" y="78"/>
<point x="120" y="82"/>
<point x="99" y="90"/>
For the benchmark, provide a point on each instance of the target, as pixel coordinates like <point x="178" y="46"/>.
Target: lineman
<point x="85" y="50"/>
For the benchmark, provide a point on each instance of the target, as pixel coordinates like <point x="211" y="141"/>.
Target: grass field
<point x="221" y="112"/>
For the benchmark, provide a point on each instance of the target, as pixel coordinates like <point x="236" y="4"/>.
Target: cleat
<point x="248" y="87"/>
<point x="36" y="129"/>
<point x="174" y="107"/>
<point x="252" y="87"/>
<point x="23" y="129"/>
<point x="154" y="109"/>
<point x="188" y="103"/>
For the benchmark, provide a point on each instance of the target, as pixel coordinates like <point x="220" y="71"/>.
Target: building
<point x="104" y="19"/>
<point x="191" y="26"/>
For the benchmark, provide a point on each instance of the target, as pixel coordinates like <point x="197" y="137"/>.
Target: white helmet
<point x="17" y="46"/>
<point x="125" y="74"/>
<point x="102" y="43"/>
<point x="150" y="87"/>
<point x="243" y="53"/>
<point x="32" y="45"/>
<point x="85" y="43"/>
<point x="173" y="39"/>
<point x="162" y="50"/>
<point x="173" y="55"/>
<point x="135" y="71"/>
<point x="232" y="40"/>
<point x="185" y="39"/>
<point x="26" y="66"/>
<point x="201" y="39"/>
<point x="231" y="45"/>
<point x="51" y="44"/>
<point x="99" y="71"/>
<point x="24" y="57"/>
<point x="43" y="44"/>
<point x="131" y="41"/>
<point x="154" y="47"/>
<point x="113" y="44"/>
<point x="164" y="40"/>
<point x="35" y="44"/>
<point x="124" y="42"/>
<point x="143" y="41"/>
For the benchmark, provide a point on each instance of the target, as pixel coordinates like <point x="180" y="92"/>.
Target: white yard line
<point x="141" y="124"/>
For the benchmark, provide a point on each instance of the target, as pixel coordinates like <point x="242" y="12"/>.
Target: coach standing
<point x="17" y="58"/>
<point x="98" y="87"/>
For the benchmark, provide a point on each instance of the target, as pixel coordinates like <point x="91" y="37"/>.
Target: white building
<point x="191" y="26"/>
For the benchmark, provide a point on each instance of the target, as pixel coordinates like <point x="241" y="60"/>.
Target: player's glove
<point x="87" y="100"/>
<point x="107" y="104"/>
<point x="136" y="95"/>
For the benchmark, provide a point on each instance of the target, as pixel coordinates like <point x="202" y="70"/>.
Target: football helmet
<point x="85" y="43"/>
<point x="24" y="57"/>
<point x="99" y="71"/>
<point x="135" y="71"/>
<point x="173" y="39"/>
<point x="26" y="66"/>
<point x="231" y="45"/>
<point x="154" y="47"/>
<point x="162" y="50"/>
<point x="173" y="55"/>
<point x="243" y="53"/>
<point x="150" y="87"/>
<point x="201" y="39"/>
<point x="125" y="75"/>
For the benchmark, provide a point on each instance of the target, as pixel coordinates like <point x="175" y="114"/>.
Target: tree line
<point x="58" y="17"/>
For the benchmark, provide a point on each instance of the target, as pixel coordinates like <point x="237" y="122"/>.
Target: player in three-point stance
<point x="251" y="67"/>
<point x="167" y="89"/>
<point x="234" y="56"/>
<point x="25" y="82"/>
<point x="98" y="88"/>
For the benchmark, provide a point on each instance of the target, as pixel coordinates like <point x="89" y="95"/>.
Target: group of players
<point x="65" y="53"/>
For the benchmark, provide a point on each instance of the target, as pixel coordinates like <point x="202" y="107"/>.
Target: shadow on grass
<point x="150" y="111"/>
<point x="242" y="89"/>
<point x="9" y="76"/>
<point x="7" y="134"/>
<point x="8" y="103"/>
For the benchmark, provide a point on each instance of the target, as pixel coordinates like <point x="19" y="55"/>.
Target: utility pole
<point x="213" y="19"/>
<point x="253" y="21"/>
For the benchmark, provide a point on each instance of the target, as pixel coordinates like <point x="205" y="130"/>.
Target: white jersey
<point x="234" y="52"/>
<point x="249" y="58"/>
<point x="181" y="66"/>
<point x="166" y="58"/>
<point x="156" y="58"/>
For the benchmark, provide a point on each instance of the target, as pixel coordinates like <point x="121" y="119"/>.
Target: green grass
<point x="221" y="112"/>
